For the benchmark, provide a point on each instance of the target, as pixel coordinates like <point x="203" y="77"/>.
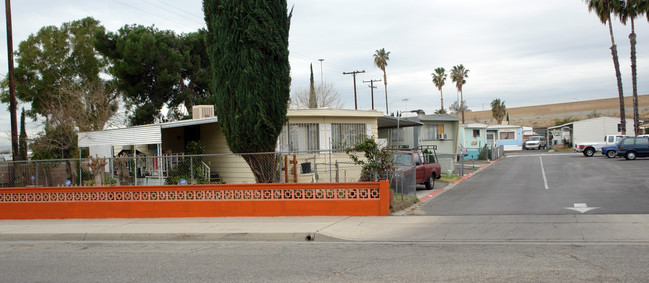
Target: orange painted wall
<point x="22" y="208"/>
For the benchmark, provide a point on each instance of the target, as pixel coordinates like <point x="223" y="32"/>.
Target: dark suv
<point x="633" y="147"/>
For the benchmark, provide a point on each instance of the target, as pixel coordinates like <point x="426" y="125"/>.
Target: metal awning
<point x="392" y="122"/>
<point x="145" y="134"/>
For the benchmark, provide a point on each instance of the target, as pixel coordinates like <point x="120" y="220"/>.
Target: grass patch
<point x="563" y="149"/>
<point x="399" y="204"/>
<point x="451" y="179"/>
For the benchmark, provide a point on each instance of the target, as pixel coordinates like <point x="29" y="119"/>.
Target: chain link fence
<point x="294" y="167"/>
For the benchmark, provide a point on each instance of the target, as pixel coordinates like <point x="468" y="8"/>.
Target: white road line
<point x="541" y="154"/>
<point x="545" y="180"/>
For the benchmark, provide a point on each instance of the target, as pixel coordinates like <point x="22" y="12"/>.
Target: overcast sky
<point x="523" y="52"/>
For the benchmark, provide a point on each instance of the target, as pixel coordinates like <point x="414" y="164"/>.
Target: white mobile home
<point x="318" y="131"/>
<point x="590" y="130"/>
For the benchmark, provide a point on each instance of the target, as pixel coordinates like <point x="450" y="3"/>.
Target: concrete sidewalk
<point x="536" y="228"/>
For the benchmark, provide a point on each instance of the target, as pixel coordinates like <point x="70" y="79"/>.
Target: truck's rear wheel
<point x="611" y="153"/>
<point x="589" y="152"/>
<point x="630" y="155"/>
<point x="430" y="183"/>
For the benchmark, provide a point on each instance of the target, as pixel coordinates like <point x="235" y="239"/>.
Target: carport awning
<point x="392" y="122"/>
<point x="145" y="134"/>
<point x="148" y="134"/>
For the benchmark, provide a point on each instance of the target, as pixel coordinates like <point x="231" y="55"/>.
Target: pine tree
<point x="247" y="44"/>
<point x="22" y="139"/>
<point x="313" y="102"/>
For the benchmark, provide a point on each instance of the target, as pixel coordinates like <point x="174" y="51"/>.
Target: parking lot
<point x="539" y="183"/>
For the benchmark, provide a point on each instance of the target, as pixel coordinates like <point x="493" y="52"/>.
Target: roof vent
<point x="202" y="111"/>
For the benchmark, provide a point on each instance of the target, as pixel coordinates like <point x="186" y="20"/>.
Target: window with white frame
<point x="299" y="137"/>
<point x="509" y="135"/>
<point x="476" y="133"/>
<point x="346" y="135"/>
<point x="432" y="131"/>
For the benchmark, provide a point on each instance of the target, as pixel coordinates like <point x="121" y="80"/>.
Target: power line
<point x="150" y="13"/>
<point x="173" y="12"/>
<point x="182" y="10"/>
<point x="353" y="73"/>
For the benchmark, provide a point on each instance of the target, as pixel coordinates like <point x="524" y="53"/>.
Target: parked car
<point x="424" y="173"/>
<point x="609" y="150"/>
<point x="633" y="147"/>
<point x="589" y="148"/>
<point x="535" y="142"/>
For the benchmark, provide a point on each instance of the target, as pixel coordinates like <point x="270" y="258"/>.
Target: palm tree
<point x="439" y="78"/>
<point x="498" y="110"/>
<point x="458" y="76"/>
<point x="603" y="9"/>
<point x="381" y="59"/>
<point x="628" y="11"/>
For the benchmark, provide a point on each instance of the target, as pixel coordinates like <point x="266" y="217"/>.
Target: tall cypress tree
<point x="247" y="44"/>
<point x="22" y="139"/>
<point x="313" y="102"/>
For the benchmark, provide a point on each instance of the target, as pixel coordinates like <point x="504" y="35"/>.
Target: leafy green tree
<point x="439" y="79"/>
<point x="146" y="67"/>
<point x="458" y="76"/>
<point x="156" y="67"/>
<point x="498" y="110"/>
<point x="59" y="73"/>
<point x="603" y="9"/>
<point x="378" y="163"/>
<point x="22" y="139"/>
<point x="196" y="77"/>
<point x="441" y="111"/>
<point x="55" y="57"/>
<point x="247" y="44"/>
<point x="381" y="58"/>
<point x="313" y="101"/>
<point x="628" y="11"/>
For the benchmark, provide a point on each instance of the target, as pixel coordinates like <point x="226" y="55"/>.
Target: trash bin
<point x="306" y="167"/>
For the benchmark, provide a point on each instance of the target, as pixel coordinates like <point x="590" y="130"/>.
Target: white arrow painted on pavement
<point x="581" y="207"/>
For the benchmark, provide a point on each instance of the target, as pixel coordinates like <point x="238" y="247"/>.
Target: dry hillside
<point x="547" y="115"/>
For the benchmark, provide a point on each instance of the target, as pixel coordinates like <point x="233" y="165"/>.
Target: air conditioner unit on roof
<point x="202" y="111"/>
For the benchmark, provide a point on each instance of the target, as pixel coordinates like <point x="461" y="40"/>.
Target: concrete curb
<point x="162" y="237"/>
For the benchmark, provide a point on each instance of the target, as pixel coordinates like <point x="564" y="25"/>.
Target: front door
<point x="490" y="139"/>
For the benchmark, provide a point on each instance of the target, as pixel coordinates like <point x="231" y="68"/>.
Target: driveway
<point x="537" y="183"/>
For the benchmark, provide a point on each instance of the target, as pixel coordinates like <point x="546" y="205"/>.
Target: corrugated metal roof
<point x="192" y="122"/>
<point x="440" y="118"/>
<point x="392" y="122"/>
<point x="147" y="134"/>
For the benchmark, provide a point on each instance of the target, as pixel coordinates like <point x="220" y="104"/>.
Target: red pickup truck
<point x="425" y="172"/>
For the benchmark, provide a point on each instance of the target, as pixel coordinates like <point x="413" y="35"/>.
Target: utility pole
<point x="12" y="84"/>
<point x="12" y="94"/>
<point x="354" y="75"/>
<point x="372" y="87"/>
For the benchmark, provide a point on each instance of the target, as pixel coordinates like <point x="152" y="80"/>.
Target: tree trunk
<point x="618" y="75"/>
<point x="385" y="84"/>
<point x="441" y="95"/>
<point x="634" y="80"/>
<point x="263" y="166"/>
<point x="462" y="105"/>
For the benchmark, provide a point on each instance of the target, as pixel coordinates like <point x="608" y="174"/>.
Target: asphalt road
<point x="307" y="262"/>
<point x="541" y="183"/>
